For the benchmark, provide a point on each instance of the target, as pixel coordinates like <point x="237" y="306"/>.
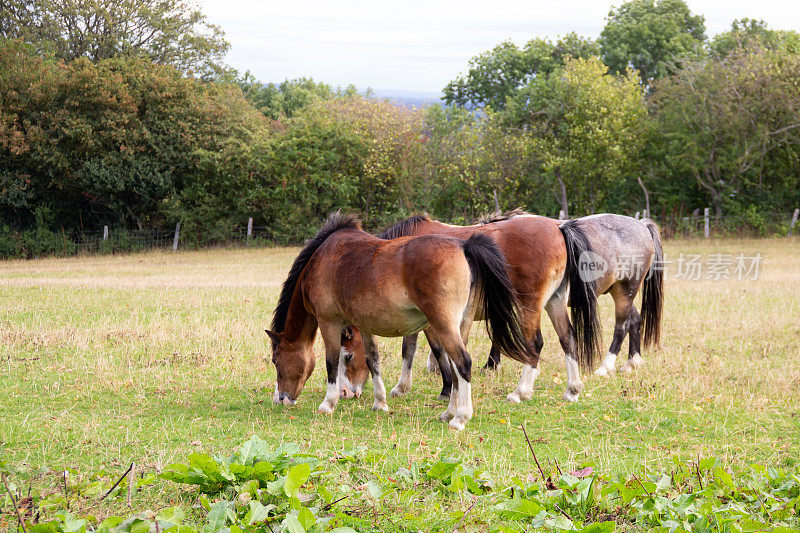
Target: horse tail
<point x="653" y="291"/>
<point x="582" y="297"/>
<point x="498" y="297"/>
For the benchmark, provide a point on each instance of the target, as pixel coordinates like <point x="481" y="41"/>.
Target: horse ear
<point x="276" y="337"/>
<point x="347" y="332"/>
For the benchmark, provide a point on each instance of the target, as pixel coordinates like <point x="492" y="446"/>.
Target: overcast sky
<point x="419" y="45"/>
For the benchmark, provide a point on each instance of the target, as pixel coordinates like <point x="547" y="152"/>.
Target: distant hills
<point x="410" y="98"/>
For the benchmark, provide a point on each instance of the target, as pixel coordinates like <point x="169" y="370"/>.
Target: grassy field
<point x="147" y="357"/>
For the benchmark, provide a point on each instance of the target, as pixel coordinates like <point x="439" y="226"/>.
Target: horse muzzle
<point x="281" y="398"/>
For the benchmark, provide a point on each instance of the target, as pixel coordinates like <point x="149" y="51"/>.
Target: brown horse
<point x="345" y="276"/>
<point x="543" y="260"/>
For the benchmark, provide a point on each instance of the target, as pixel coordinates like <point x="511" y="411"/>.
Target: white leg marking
<point x="347" y="389"/>
<point x="433" y="364"/>
<point x="406" y="378"/>
<point x="574" y="383"/>
<point x="452" y="407"/>
<point x="524" y="390"/>
<point x="632" y="364"/>
<point x="608" y="365"/>
<point x="380" y="394"/>
<point x="331" y="398"/>
<point x="464" y="407"/>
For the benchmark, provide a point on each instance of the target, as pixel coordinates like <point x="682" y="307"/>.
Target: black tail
<point x="653" y="291"/>
<point x="582" y="297"/>
<point x="498" y="298"/>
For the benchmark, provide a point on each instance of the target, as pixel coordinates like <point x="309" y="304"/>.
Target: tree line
<point x="122" y="114"/>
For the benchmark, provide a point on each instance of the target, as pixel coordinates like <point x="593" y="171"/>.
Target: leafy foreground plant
<point x="261" y="488"/>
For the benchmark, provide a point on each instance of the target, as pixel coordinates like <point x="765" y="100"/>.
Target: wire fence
<point x="114" y="240"/>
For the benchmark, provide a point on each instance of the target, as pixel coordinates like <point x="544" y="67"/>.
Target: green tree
<point x="285" y="99"/>
<point x="495" y="75"/>
<point x="168" y="32"/>
<point x="590" y="128"/>
<point x="649" y="35"/>
<point x="733" y="123"/>
<point x="747" y="32"/>
<point x="106" y="142"/>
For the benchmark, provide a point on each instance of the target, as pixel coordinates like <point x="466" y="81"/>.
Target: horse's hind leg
<point x="443" y="363"/>
<point x="524" y="390"/>
<point x="557" y="311"/>
<point x="622" y="308"/>
<point x="374" y="365"/>
<point x="459" y="410"/>
<point x="493" y="362"/>
<point x="407" y="369"/>
<point x="634" y="340"/>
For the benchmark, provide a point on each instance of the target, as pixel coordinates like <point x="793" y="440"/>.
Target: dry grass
<point x="104" y="360"/>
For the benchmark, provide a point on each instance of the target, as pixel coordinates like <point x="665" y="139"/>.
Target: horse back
<point x="381" y="285"/>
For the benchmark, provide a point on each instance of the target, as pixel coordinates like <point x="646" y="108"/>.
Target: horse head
<point x="294" y="362"/>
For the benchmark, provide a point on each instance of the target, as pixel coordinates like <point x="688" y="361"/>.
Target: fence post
<point x="249" y="228"/>
<point x="105" y="233"/>
<point x="706" y="227"/>
<point x="794" y="221"/>
<point x="496" y="202"/>
<point x="561" y="214"/>
<point x="637" y="215"/>
<point x="177" y="236"/>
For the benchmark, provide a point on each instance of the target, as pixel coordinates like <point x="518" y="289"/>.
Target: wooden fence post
<point x="706" y="226"/>
<point x="561" y="214"/>
<point x="496" y="202"/>
<point x="177" y="236"/>
<point x="637" y="215"/>
<point x="249" y="228"/>
<point x="794" y="221"/>
<point x="105" y="233"/>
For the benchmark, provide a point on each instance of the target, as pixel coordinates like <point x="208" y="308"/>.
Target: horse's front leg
<point x="407" y="370"/>
<point x="374" y="365"/>
<point x="331" y="335"/>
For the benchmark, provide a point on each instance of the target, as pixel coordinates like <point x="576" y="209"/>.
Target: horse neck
<point x="300" y="326"/>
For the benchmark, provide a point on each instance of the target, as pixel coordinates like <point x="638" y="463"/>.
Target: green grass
<point x="151" y="356"/>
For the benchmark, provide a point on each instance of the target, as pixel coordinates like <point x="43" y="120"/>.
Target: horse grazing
<point x="345" y="276"/>
<point x="543" y="261"/>
<point x="354" y="372"/>
<point x="630" y="258"/>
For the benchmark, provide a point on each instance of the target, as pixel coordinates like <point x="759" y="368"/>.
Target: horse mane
<point x="499" y="216"/>
<point x="404" y="227"/>
<point x="334" y="223"/>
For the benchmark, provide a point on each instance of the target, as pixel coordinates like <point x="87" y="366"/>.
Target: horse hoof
<point x="396" y="392"/>
<point x="601" y="371"/>
<point x="632" y="364"/>
<point x="446" y="416"/>
<point x="571" y="397"/>
<point x="490" y="368"/>
<point x="514" y="397"/>
<point x="347" y="393"/>
<point x="325" y="409"/>
<point x="380" y="406"/>
<point x="444" y="398"/>
<point x="457" y="424"/>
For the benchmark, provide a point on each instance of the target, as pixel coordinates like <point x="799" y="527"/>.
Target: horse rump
<point x="497" y="297"/>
